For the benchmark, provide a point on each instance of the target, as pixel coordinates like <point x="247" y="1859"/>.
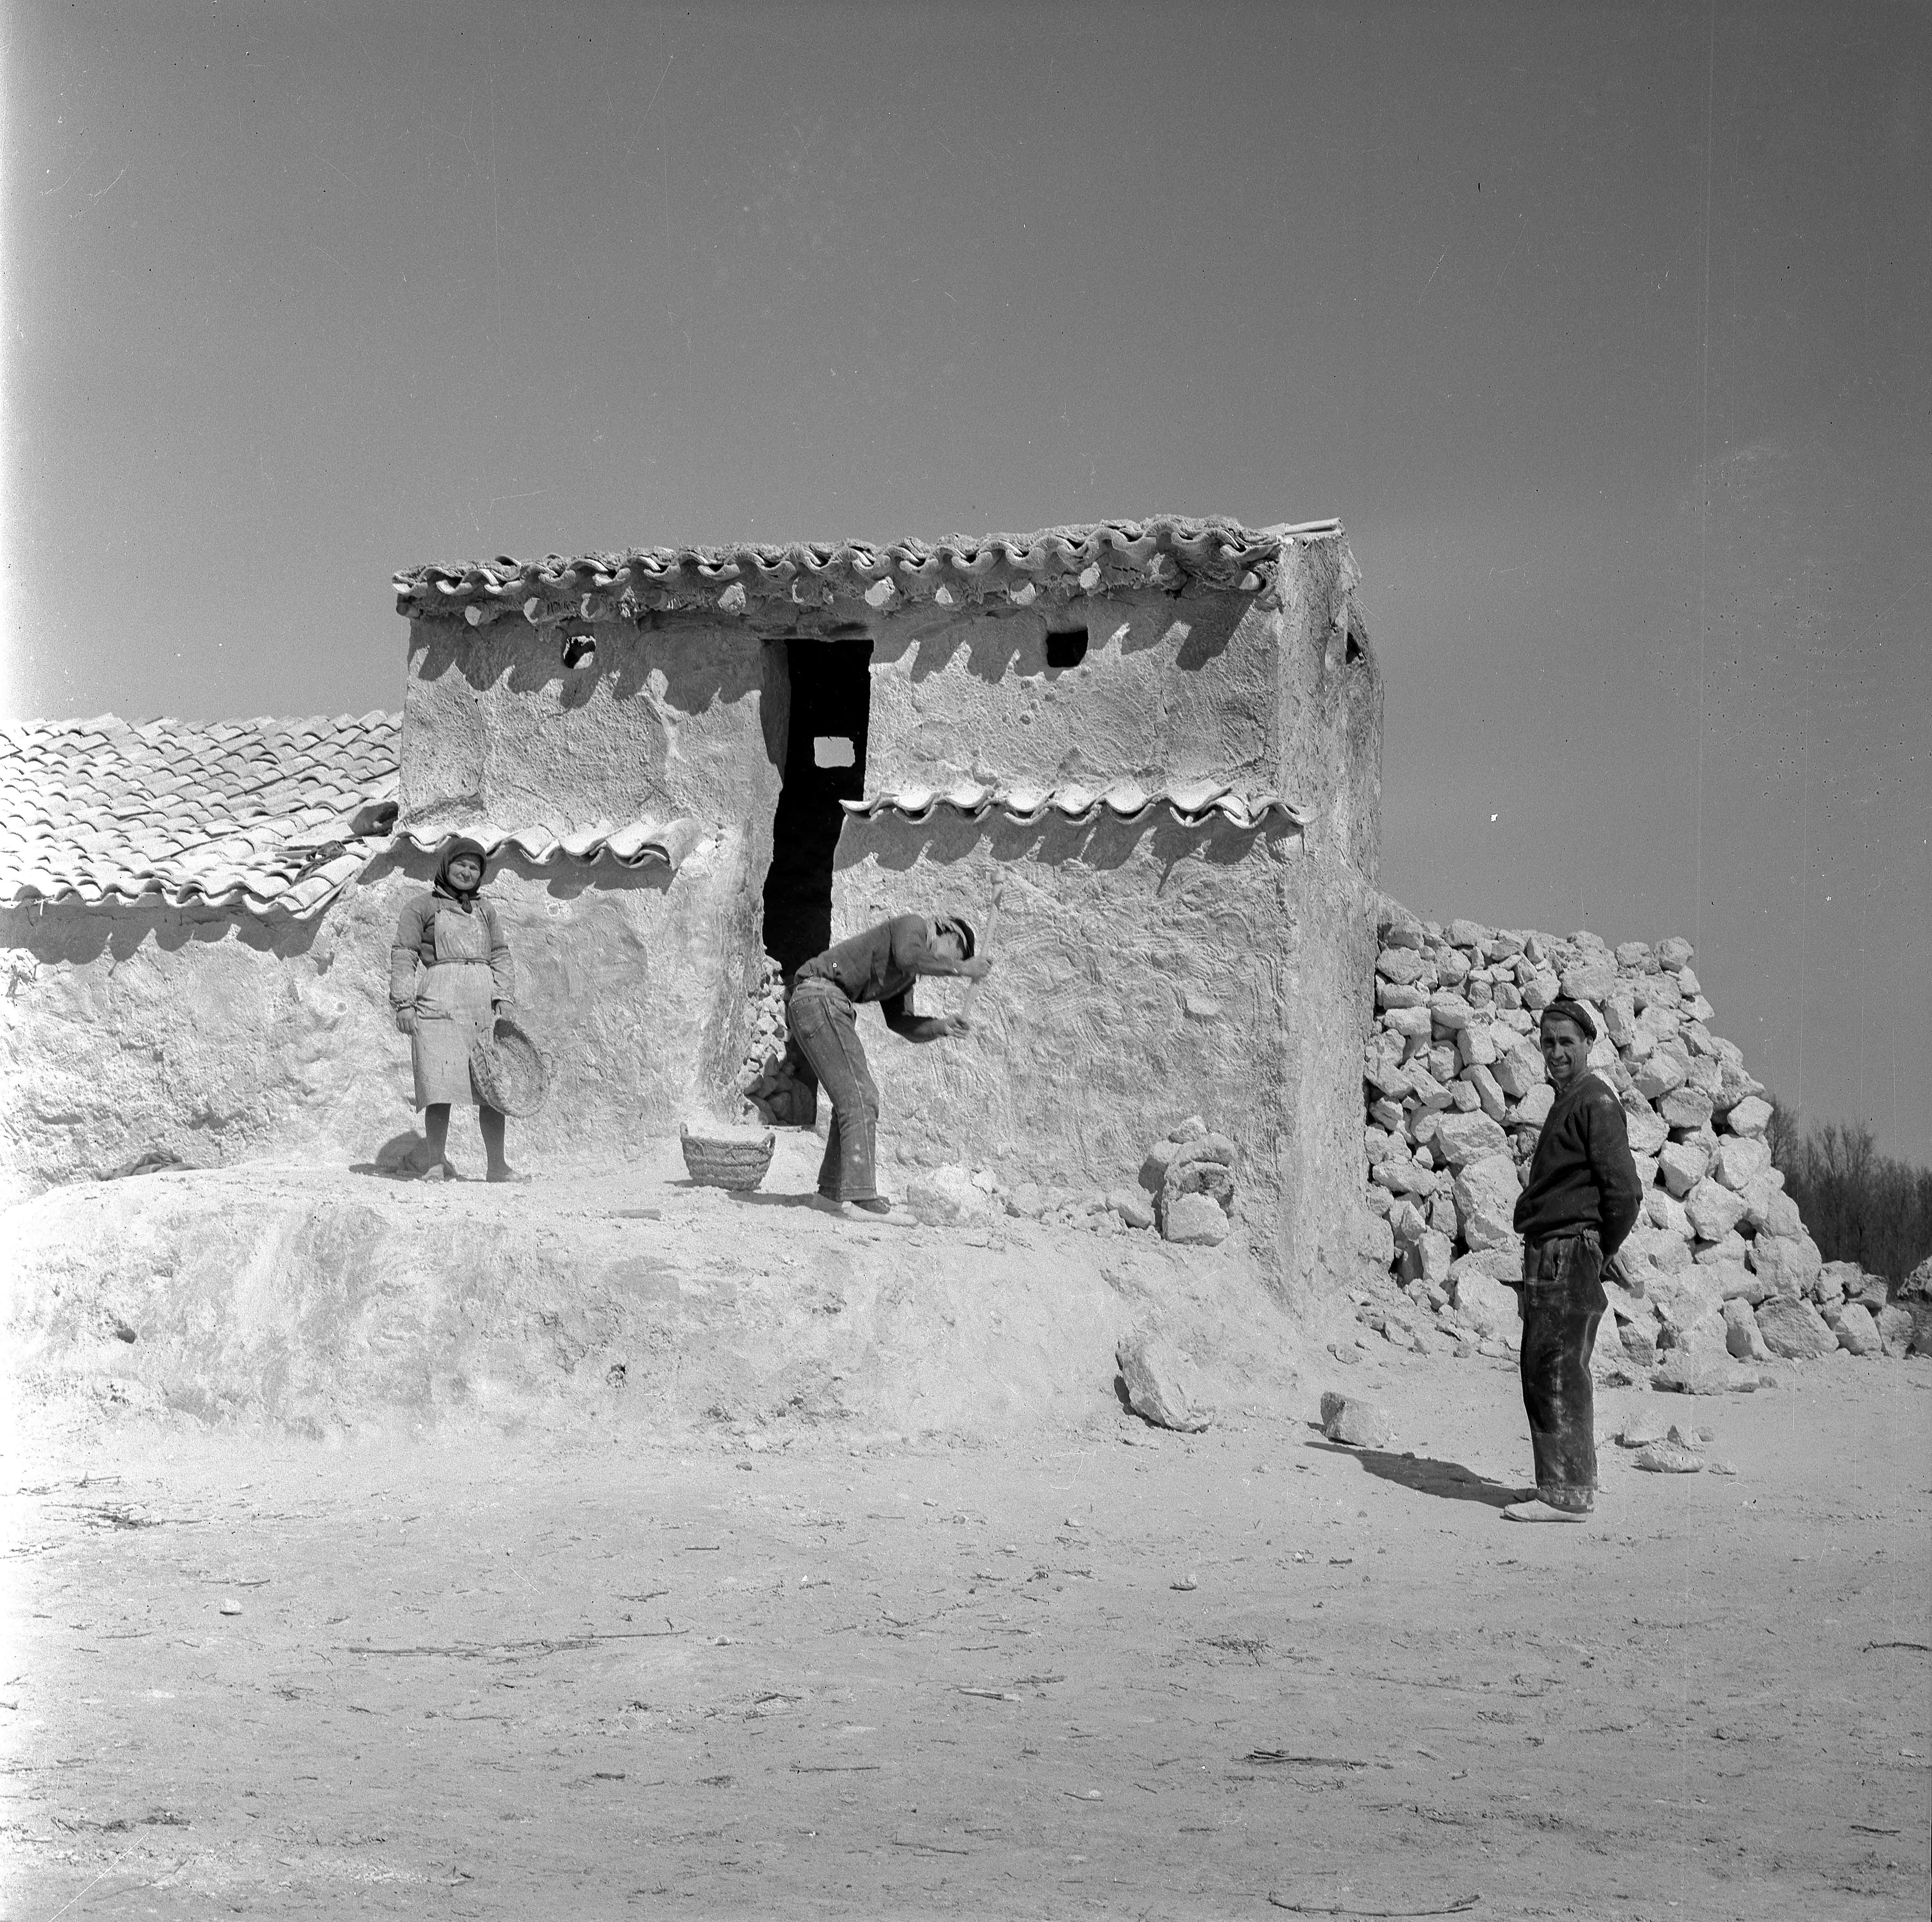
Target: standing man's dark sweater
<point x="1582" y="1174"/>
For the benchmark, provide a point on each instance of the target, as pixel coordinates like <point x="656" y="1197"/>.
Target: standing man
<point x="1580" y="1201"/>
<point x="880" y="965"/>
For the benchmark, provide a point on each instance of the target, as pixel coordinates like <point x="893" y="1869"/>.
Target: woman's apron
<point x="452" y="1008"/>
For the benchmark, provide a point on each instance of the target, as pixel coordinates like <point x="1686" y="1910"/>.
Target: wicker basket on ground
<point x="736" y="1162"/>
<point x="510" y="1073"/>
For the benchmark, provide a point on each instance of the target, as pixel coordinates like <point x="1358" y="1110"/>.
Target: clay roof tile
<point x="1217" y="553"/>
<point x="104" y="810"/>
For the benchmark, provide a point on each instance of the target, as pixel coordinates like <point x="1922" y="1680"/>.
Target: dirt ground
<point x="1094" y="1670"/>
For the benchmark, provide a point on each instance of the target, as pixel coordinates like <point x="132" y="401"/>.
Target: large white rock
<point x="1501" y="1264"/>
<point x="1620" y="1019"/>
<point x="1355" y="1422"/>
<point x="1591" y="977"/>
<point x="1428" y="1092"/>
<point x="1658" y="998"/>
<point x="1663" y="1209"/>
<point x="1540" y="990"/>
<point x="1460" y="1139"/>
<point x="1195" y="1220"/>
<point x="1735" y="1087"/>
<point x="1648" y="1130"/>
<point x="1896" y="1328"/>
<point x="1519" y="1067"/>
<point x="1743" y="1285"/>
<point x="1150" y="1372"/>
<point x="1400" y="965"/>
<point x="1714" y="1210"/>
<point x="1674" y="954"/>
<point x="1794" y="1329"/>
<point x="1750" y="1116"/>
<point x="1740" y="1331"/>
<point x="1681" y="1166"/>
<point x="1789" y="1263"/>
<point x="1730" y="1250"/>
<point x="1686" y="1297"/>
<point x="1485" y="1193"/>
<point x="1687" y="1109"/>
<point x="1533" y="1110"/>
<point x="1666" y="1069"/>
<point x="1858" y="1332"/>
<point x="1662" y="1247"/>
<point x="1489" y="1096"/>
<point x="1399" y="1175"/>
<point x="1705" y="1339"/>
<point x="1739" y="1161"/>
<point x="1485" y="1305"/>
<point x="1412" y="1024"/>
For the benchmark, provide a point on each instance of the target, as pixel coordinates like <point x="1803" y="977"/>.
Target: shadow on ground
<point x="1447" y="1481"/>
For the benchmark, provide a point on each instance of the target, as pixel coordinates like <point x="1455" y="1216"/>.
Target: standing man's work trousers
<point x="825" y="1025"/>
<point x="1563" y="1300"/>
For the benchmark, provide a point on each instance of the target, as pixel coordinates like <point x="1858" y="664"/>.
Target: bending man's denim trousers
<point x="825" y="1025"/>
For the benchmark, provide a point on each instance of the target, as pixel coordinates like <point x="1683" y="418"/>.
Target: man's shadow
<point x="1447" y="1481"/>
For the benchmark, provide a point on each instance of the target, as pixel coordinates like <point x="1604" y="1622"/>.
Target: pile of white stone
<point x="770" y="1033"/>
<point x="1723" y="1275"/>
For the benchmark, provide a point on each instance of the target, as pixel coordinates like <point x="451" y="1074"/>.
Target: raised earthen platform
<point x="323" y="1302"/>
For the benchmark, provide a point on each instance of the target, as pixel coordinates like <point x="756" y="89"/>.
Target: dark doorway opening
<point x="825" y="764"/>
<point x="1066" y="646"/>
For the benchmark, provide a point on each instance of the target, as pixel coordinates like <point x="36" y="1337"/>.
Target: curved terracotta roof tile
<point x="1085" y="559"/>
<point x="633" y="845"/>
<point x="1125" y="800"/>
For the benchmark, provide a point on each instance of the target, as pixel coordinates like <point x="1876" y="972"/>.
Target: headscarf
<point x="958" y="924"/>
<point x="1564" y="1009"/>
<point x="461" y="845"/>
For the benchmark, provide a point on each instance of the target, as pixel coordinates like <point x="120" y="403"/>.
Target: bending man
<point x="1580" y="1201"/>
<point x="880" y="965"/>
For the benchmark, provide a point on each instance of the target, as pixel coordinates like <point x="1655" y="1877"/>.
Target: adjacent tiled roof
<point x="256" y="814"/>
<point x="263" y="817"/>
<point x="1166" y="551"/>
<point x="1190" y="802"/>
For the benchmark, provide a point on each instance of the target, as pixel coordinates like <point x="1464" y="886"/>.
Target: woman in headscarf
<point x="450" y="978"/>
<point x="1579" y="1203"/>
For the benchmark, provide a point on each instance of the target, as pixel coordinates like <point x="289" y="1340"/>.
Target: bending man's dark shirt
<point x="881" y="965"/>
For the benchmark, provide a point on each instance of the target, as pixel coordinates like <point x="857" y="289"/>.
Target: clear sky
<point x="1603" y="329"/>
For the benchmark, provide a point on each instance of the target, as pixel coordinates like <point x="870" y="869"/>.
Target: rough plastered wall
<point x="683" y="718"/>
<point x="223" y="1038"/>
<point x="1149" y="969"/>
<point x="1144" y="971"/>
<point x="1173" y="687"/>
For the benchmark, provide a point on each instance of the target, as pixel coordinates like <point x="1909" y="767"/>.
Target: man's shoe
<point x="876" y="1204"/>
<point x="1542" y="1511"/>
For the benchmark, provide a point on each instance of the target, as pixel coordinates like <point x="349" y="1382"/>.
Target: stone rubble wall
<point x="1723" y="1276"/>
